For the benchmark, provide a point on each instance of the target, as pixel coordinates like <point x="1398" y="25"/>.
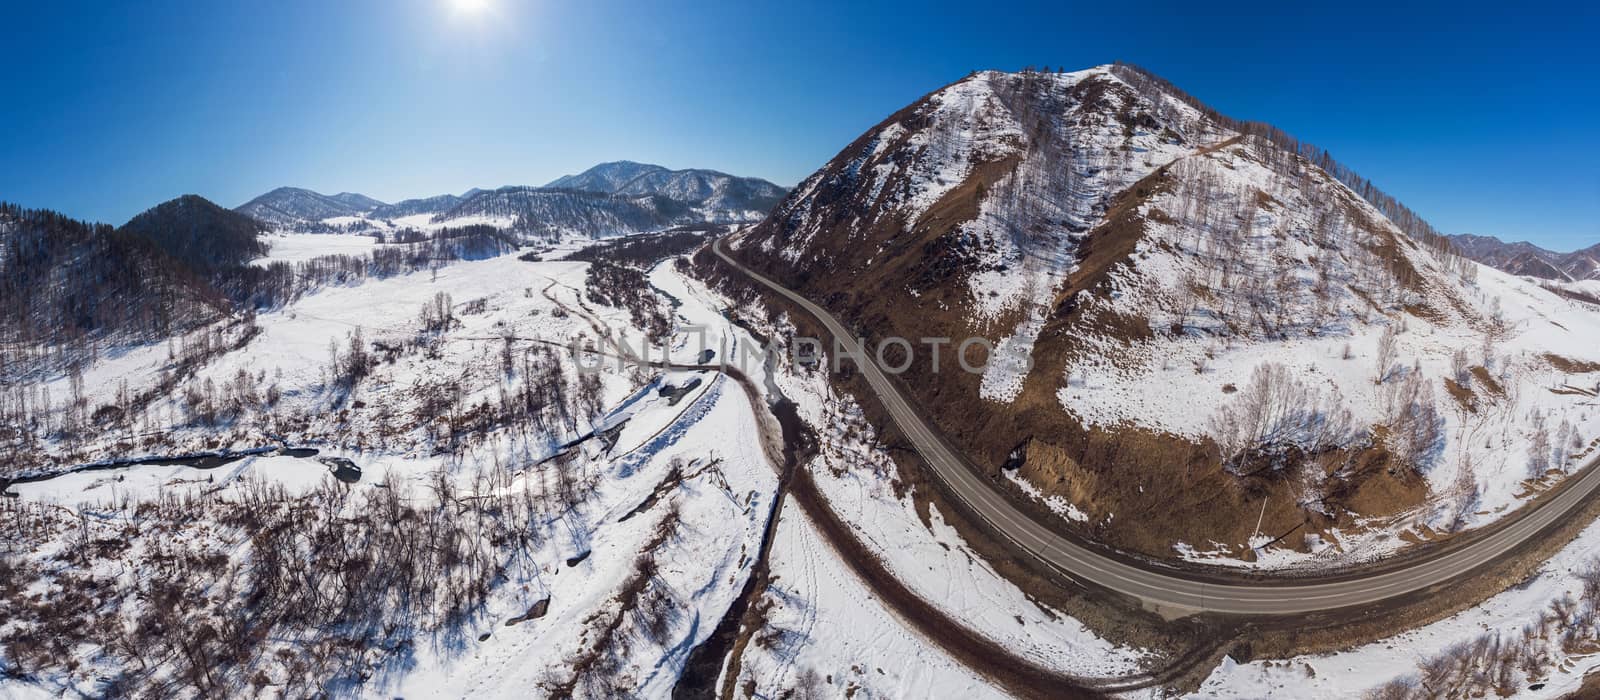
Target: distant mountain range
<point x="1527" y="259"/>
<point x="425" y="205"/>
<point x="608" y="199"/>
<point x="549" y="213"/>
<point x="705" y="189"/>
<point x="292" y="207"/>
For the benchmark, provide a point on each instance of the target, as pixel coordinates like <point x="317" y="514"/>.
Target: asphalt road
<point x="1170" y="590"/>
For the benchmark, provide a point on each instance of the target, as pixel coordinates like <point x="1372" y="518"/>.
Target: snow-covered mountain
<point x="1152" y="274"/>
<point x="413" y="207"/>
<point x="609" y="199"/>
<point x="294" y="207"/>
<point x="609" y="178"/>
<point x="356" y="201"/>
<point x="1528" y="260"/>
<point x="550" y="213"/>
<point x="722" y="198"/>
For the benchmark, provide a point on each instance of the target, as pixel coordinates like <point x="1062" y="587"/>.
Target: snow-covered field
<point x="721" y="510"/>
<point x="828" y="634"/>
<point x="300" y="247"/>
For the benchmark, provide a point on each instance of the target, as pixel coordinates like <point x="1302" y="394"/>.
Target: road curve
<point x="1165" y="589"/>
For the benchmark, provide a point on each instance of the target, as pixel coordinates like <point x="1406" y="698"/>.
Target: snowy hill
<point x="69" y="289"/>
<point x="357" y="202"/>
<point x="201" y="234"/>
<point x="1152" y="274"/>
<point x="608" y="178"/>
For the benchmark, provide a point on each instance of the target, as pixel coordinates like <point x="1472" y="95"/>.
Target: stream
<point x="707" y="660"/>
<point x="341" y="468"/>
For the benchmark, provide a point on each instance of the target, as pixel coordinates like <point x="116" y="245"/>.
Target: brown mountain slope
<point x="1080" y="221"/>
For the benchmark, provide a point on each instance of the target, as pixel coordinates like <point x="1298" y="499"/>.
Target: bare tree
<point x="1468" y="494"/>
<point x="1539" y="448"/>
<point x="589" y="395"/>
<point x="1416" y="430"/>
<point x="437" y="314"/>
<point x="1461" y="367"/>
<point x="1386" y="354"/>
<point x="1276" y="412"/>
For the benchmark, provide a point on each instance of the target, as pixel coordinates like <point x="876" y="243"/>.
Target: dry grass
<point x="1487" y="381"/>
<point x="1569" y="365"/>
<point x="1462" y="394"/>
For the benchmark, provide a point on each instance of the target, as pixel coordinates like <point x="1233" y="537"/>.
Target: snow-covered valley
<point x="1247" y="427"/>
<point x="605" y="563"/>
<point x="565" y="525"/>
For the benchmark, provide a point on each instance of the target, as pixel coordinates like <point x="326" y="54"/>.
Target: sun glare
<point x="468" y="7"/>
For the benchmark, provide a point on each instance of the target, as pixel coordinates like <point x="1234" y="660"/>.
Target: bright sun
<point x="469" y="7"/>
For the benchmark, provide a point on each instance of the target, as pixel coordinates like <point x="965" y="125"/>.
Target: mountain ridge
<point x="552" y="213"/>
<point x="713" y="190"/>
<point x="1527" y="259"/>
<point x="617" y="197"/>
<point x="300" y="208"/>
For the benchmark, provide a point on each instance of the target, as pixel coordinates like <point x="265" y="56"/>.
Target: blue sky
<point x="1482" y="118"/>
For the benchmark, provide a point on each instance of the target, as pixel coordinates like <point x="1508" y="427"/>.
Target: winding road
<point x="1172" y="591"/>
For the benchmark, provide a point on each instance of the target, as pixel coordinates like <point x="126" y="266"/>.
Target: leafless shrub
<point x="1404" y="688"/>
<point x="1500" y="662"/>
<point x="646" y="602"/>
<point x="626" y="287"/>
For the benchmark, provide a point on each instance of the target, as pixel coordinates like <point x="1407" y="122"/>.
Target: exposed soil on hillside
<point x="1144" y="491"/>
<point x="1569" y="365"/>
